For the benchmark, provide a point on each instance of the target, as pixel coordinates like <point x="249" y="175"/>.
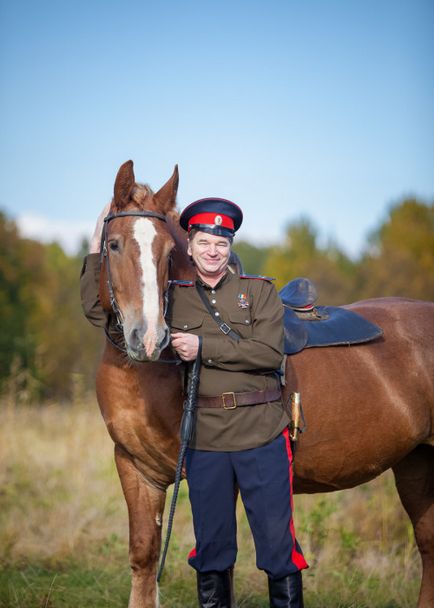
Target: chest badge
<point x="242" y="300"/>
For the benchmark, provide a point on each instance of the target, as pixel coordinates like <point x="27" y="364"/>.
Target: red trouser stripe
<point x="296" y="557"/>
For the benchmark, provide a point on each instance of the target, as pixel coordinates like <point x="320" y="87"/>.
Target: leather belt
<point x="229" y="401"/>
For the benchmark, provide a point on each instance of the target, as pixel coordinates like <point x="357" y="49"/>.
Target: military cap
<point x="213" y="215"/>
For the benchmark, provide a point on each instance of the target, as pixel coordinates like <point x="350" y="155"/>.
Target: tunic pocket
<point x="241" y="323"/>
<point x="187" y="324"/>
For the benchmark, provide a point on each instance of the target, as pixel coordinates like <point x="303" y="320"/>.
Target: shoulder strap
<point x="224" y="327"/>
<point x="258" y="277"/>
<point x="180" y="282"/>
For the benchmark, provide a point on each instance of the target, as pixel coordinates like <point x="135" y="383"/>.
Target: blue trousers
<point x="264" y="478"/>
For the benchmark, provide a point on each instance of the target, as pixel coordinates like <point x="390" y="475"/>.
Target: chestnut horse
<point x="369" y="407"/>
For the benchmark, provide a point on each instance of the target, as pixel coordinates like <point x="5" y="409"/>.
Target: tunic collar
<point x="225" y="279"/>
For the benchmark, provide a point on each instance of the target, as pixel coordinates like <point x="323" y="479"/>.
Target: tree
<point x="44" y="332"/>
<point x="252" y="258"/>
<point x="300" y="256"/>
<point x="67" y="345"/>
<point x="400" y="257"/>
<point x="21" y="271"/>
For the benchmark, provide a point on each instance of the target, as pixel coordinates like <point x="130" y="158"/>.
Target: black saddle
<point x="307" y="325"/>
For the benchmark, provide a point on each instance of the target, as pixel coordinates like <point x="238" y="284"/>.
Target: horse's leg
<point x="145" y="511"/>
<point x="415" y="482"/>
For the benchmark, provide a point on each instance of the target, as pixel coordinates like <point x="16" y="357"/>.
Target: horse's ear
<point x="124" y="183"/>
<point x="166" y="196"/>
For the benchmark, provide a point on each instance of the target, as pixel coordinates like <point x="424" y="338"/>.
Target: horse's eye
<point x="114" y="246"/>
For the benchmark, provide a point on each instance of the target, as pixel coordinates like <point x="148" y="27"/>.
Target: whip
<point x="186" y="433"/>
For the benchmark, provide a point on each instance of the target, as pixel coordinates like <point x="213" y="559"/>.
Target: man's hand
<point x="186" y="345"/>
<point x="95" y="241"/>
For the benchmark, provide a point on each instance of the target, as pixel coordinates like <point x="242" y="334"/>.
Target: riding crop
<point x="186" y="433"/>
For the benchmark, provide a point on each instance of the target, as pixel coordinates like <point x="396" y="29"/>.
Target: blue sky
<point x="322" y="109"/>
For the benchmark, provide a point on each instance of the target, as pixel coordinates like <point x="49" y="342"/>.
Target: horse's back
<point x="409" y="315"/>
<point x="408" y="326"/>
<point x="366" y="405"/>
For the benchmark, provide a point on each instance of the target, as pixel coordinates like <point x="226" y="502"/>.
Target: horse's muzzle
<point x="142" y="348"/>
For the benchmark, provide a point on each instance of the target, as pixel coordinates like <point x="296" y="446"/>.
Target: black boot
<point x="286" y="592"/>
<point x="214" y="589"/>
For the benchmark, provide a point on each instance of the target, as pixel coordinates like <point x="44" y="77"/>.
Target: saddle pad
<point x="334" y="326"/>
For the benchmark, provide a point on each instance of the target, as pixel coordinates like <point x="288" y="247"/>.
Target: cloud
<point x="68" y="233"/>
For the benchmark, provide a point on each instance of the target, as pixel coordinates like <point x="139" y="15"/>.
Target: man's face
<point x="210" y="253"/>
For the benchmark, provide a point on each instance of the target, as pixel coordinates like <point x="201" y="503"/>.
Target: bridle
<point x="105" y="256"/>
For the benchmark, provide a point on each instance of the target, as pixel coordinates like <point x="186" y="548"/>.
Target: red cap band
<point x="215" y="219"/>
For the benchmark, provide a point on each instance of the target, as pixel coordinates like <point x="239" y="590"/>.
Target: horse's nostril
<point x="166" y="338"/>
<point x="163" y="339"/>
<point x="134" y="339"/>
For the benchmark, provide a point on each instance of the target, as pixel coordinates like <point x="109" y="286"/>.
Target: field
<point x="63" y="528"/>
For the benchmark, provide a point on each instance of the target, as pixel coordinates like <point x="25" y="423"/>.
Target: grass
<point x="63" y="528"/>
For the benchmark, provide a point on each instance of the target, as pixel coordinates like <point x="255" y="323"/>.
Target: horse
<point x="369" y="407"/>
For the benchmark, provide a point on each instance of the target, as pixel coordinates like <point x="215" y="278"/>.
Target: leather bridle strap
<point x="144" y="213"/>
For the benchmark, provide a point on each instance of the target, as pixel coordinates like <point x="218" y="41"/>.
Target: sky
<point x="321" y="109"/>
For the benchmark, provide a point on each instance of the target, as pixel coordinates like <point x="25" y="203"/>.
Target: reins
<point x="186" y="434"/>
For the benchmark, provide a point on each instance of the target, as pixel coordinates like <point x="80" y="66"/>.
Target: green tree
<point x="332" y="272"/>
<point x="45" y="340"/>
<point x="400" y="257"/>
<point x="67" y="345"/>
<point x="252" y="258"/>
<point x="21" y="271"/>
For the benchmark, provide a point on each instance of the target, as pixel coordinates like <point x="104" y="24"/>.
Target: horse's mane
<point x="182" y="265"/>
<point x="141" y="192"/>
<point x="140" y="196"/>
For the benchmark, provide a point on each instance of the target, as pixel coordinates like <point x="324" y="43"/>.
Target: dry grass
<point x="60" y="491"/>
<point x="63" y="527"/>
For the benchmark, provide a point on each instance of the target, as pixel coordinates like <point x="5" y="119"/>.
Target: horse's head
<point x="136" y="258"/>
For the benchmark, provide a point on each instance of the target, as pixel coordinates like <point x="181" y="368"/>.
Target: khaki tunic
<point x="252" y="308"/>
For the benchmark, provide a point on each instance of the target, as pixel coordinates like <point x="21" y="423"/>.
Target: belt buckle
<point x="234" y="401"/>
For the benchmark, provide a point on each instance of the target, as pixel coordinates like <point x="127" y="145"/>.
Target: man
<point x="241" y="438"/>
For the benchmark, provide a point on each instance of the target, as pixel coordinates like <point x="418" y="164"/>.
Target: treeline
<point x="398" y="259"/>
<point x="48" y="350"/>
